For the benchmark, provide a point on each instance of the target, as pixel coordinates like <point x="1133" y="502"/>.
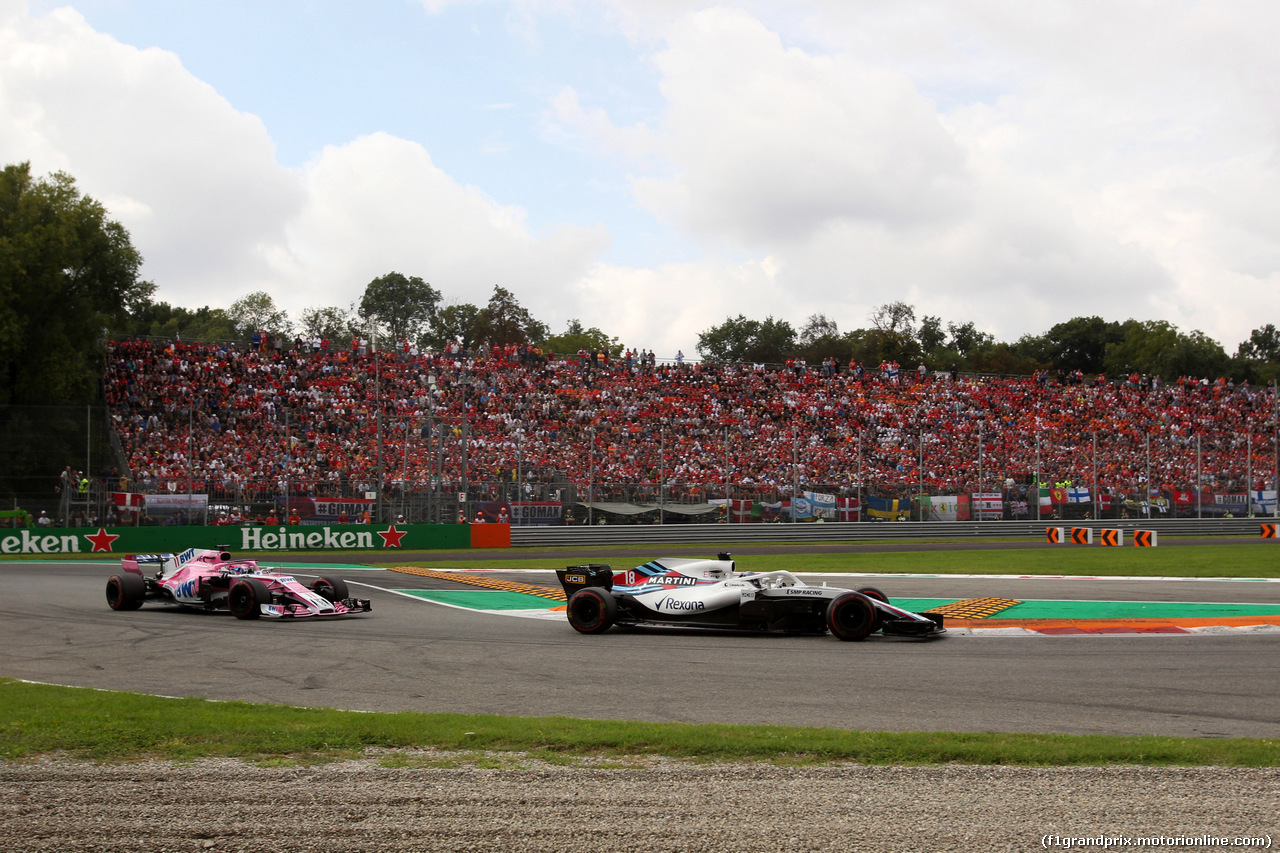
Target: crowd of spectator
<point x="218" y="419"/>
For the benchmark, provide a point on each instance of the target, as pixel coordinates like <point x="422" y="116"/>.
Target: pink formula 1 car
<point x="211" y="580"/>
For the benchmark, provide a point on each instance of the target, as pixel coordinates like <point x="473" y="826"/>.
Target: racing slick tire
<point x="592" y="610"/>
<point x="330" y="589"/>
<point x="852" y="616"/>
<point x="245" y="597"/>
<point x="872" y="592"/>
<point x="126" y="591"/>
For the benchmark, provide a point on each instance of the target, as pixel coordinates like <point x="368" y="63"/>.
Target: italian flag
<point x="1046" y="499"/>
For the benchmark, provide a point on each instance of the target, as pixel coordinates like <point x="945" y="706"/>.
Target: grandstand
<point x="512" y="426"/>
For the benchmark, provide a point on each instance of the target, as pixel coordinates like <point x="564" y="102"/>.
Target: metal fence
<point x="68" y="463"/>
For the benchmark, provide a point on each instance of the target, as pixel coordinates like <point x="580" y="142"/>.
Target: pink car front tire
<point x="245" y="598"/>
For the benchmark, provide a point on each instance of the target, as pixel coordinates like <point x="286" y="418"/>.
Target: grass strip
<point x="93" y="725"/>
<point x="1234" y="561"/>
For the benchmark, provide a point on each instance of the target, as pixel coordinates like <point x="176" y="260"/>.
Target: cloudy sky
<point x="652" y="167"/>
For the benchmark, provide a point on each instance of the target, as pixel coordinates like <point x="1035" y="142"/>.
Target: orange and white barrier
<point x="1111" y="538"/>
<point x="1082" y="535"/>
<point x="1144" y="538"/>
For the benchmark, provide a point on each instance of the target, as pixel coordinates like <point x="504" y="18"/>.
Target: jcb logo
<point x="582" y="579"/>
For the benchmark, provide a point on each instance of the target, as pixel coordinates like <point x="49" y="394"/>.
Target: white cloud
<point x="988" y="161"/>
<point x="379" y="204"/>
<point x="197" y="185"/>
<point x="773" y="144"/>
<point x="1125" y="170"/>
<point x="193" y="180"/>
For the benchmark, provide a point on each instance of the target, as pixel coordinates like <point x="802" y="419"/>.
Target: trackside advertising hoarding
<point x="329" y="537"/>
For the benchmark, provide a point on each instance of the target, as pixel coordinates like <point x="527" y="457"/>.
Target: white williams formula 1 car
<point x="712" y="594"/>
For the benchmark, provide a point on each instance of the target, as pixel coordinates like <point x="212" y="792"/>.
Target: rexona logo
<point x="680" y="604"/>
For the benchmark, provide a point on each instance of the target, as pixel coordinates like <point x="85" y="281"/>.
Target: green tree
<point x="1157" y="347"/>
<point x="1258" y="359"/>
<point x="575" y="338"/>
<point x="505" y="321"/>
<point x="454" y="322"/>
<point x="893" y="334"/>
<point x="738" y="340"/>
<point x="400" y="307"/>
<point x="1080" y="343"/>
<point x="820" y="338"/>
<point x="931" y="337"/>
<point x="162" y="320"/>
<point x="67" y="273"/>
<point x="1263" y="344"/>
<point x="257" y="312"/>
<point x="335" y="324"/>
<point x="967" y="340"/>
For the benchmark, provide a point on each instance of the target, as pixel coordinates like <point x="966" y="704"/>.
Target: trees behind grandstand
<point x="66" y="273"/>
<point x="399" y="307"/>
<point x="1090" y="345"/>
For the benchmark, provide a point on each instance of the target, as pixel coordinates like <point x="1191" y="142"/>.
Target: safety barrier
<point x="1053" y="535"/>
<point x="1268" y="531"/>
<point x="839" y="531"/>
<point x="1111" y="537"/>
<point x="1144" y="538"/>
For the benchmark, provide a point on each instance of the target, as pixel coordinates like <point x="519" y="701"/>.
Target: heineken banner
<point x="255" y="538"/>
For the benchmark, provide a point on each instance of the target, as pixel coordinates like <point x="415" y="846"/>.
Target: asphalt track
<point x="413" y="655"/>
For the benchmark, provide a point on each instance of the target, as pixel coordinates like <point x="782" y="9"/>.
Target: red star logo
<point x="102" y="540"/>
<point x="391" y="537"/>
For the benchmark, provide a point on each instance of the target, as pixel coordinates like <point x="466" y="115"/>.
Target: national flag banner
<point x="1058" y="496"/>
<point x="773" y="511"/>
<point x="1262" y="502"/>
<point x="1077" y="495"/>
<point x="988" y="505"/>
<point x="962" y="507"/>
<point x="739" y="511"/>
<point x="944" y="507"/>
<point x="1184" y="498"/>
<point x="823" y="505"/>
<point x="888" y="508"/>
<point x="1018" y="509"/>
<point x="847" y="509"/>
<point x="1155" y="505"/>
<point x="1046" y="498"/>
<point x="128" y="499"/>
<point x="1104" y="502"/>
